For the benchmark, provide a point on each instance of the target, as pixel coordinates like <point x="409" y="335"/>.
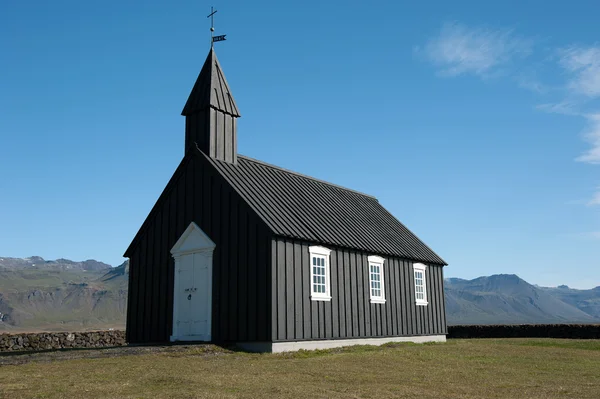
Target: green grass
<point x="492" y="368"/>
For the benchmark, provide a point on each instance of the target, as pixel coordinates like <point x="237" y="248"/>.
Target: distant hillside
<point x="586" y="300"/>
<point x="36" y="294"/>
<point x="507" y="299"/>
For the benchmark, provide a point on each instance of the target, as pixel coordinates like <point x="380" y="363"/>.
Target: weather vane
<point x="213" y="38"/>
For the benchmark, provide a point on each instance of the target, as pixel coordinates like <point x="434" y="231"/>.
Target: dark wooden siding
<point x="241" y="274"/>
<point x="214" y="132"/>
<point x="350" y="314"/>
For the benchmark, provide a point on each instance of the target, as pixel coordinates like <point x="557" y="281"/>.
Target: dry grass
<point x="508" y="368"/>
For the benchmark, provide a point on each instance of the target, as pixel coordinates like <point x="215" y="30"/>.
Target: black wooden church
<point x="236" y="250"/>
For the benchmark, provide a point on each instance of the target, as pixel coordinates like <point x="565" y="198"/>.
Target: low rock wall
<point x="60" y="340"/>
<point x="580" y="331"/>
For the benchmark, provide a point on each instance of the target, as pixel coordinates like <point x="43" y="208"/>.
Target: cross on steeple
<point x="212" y="24"/>
<point x="213" y="38"/>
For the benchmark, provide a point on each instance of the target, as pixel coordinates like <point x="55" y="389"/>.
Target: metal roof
<point x="211" y="90"/>
<point x="298" y="206"/>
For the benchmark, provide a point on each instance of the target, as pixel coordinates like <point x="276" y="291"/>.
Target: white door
<point x="192" y="273"/>
<point x="192" y="295"/>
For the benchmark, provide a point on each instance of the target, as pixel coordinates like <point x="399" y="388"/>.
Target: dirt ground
<point x="16" y="358"/>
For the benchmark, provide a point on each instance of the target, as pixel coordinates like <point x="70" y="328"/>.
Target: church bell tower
<point x="211" y="114"/>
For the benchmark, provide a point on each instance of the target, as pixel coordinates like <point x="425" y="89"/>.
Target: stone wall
<point x="580" y="331"/>
<point x="60" y="340"/>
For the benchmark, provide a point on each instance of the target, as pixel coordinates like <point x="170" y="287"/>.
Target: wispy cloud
<point x="485" y="52"/>
<point x="595" y="201"/>
<point x="592" y="136"/>
<point x="564" y="108"/>
<point x="583" y="64"/>
<point x="532" y="85"/>
<point x="594" y="235"/>
<point x="459" y="49"/>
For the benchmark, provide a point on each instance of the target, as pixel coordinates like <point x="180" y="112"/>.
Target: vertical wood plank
<point x="321" y="307"/>
<point x="440" y="298"/>
<point x="140" y="289"/>
<point x="327" y="322"/>
<point x="334" y="304"/>
<point x="220" y="256"/>
<point x="341" y="292"/>
<point x="251" y="278"/>
<point x="172" y="238"/>
<point x="347" y="292"/>
<point x="411" y="316"/>
<point x="281" y="293"/>
<point x="144" y="291"/>
<point x="264" y="294"/>
<point x="134" y="277"/>
<point x="360" y="297"/>
<point x="390" y="296"/>
<point x="436" y="319"/>
<point x="130" y="292"/>
<point x="367" y="296"/>
<point x="433" y="300"/>
<point x="385" y="310"/>
<point x="298" y="286"/>
<point x="289" y="290"/>
<point x="234" y="139"/>
<point x="157" y="299"/>
<point x="399" y="303"/>
<point x="239" y="267"/>
<point x="431" y="306"/>
<point x="228" y="137"/>
<point x="354" y="294"/>
<point x="274" y="292"/>
<point x="401" y="298"/>
<point x="164" y="275"/>
<point x="443" y="299"/>
<point x="306" y="283"/>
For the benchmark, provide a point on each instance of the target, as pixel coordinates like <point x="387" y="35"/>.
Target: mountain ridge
<point x="506" y="298"/>
<point x="57" y="295"/>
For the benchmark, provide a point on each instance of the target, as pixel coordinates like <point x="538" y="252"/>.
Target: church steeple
<point x="211" y="114"/>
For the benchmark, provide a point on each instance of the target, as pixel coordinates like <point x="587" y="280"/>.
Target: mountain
<point x="38" y="294"/>
<point x="507" y="299"/>
<point x="57" y="295"/>
<point x="58" y="264"/>
<point x="586" y="300"/>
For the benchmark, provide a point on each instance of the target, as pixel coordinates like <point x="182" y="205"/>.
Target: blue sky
<point x="477" y="125"/>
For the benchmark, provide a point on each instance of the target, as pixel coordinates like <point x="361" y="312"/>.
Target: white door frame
<point x="192" y="241"/>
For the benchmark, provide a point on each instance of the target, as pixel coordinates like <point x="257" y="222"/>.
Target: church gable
<point x="192" y="239"/>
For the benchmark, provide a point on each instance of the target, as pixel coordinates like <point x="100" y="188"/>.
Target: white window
<point x="319" y="273"/>
<point x="376" y="286"/>
<point x="420" y="284"/>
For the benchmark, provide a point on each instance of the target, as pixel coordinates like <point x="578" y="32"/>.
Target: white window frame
<point x="321" y="252"/>
<point x="419" y="267"/>
<point x="376" y="261"/>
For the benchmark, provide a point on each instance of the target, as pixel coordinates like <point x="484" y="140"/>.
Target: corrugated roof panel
<point x="299" y="206"/>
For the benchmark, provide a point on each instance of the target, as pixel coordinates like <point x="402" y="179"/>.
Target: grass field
<point x="491" y="368"/>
